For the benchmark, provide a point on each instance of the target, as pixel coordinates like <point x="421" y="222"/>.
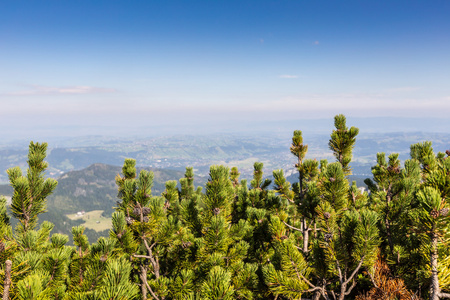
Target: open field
<point x="93" y="220"/>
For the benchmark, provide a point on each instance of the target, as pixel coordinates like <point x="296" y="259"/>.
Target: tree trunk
<point x="316" y="295"/>
<point x="434" y="287"/>
<point x="343" y="290"/>
<point x="387" y="223"/>
<point x="305" y="236"/>
<point x="8" y="265"/>
<point x="143" y="277"/>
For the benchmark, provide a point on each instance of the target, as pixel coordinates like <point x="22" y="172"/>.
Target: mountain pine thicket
<point x="320" y="238"/>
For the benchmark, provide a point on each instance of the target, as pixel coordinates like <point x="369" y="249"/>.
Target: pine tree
<point x="347" y="235"/>
<point x="221" y="248"/>
<point x="146" y="219"/>
<point x="304" y="204"/>
<point x="31" y="191"/>
<point x="39" y="262"/>
<point x="433" y="209"/>
<point x="342" y="142"/>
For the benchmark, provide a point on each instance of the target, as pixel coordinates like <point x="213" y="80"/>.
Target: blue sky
<point x="130" y="64"/>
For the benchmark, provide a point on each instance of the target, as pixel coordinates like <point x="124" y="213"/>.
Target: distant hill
<point x="358" y="178"/>
<point x="94" y="188"/>
<point x="89" y="189"/>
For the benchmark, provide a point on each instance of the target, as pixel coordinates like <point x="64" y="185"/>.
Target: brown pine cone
<point x="186" y="244"/>
<point x="444" y="212"/>
<point x="137" y="211"/>
<point x="146" y="211"/>
<point x="434" y="214"/>
<point x="328" y="237"/>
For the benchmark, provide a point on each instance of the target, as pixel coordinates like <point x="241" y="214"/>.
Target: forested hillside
<point x="90" y="189"/>
<point x="319" y="238"/>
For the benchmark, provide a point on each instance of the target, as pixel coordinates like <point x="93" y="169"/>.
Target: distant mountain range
<point x="201" y="151"/>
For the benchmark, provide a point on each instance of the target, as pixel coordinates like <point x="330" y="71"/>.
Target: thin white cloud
<point x="404" y="89"/>
<point x="68" y="90"/>
<point x="360" y="104"/>
<point x="316" y="43"/>
<point x="286" y="76"/>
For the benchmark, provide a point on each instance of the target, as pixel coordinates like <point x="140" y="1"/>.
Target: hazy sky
<point x="145" y="63"/>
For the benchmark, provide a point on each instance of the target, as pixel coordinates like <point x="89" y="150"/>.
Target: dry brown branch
<point x="385" y="287"/>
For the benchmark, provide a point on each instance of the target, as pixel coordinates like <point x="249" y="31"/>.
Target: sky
<point x="90" y="67"/>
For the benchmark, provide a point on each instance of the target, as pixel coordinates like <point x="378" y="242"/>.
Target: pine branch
<point x="372" y="280"/>
<point x="7" y="284"/>
<point x="356" y="270"/>
<point x="141" y="256"/>
<point x="154" y="262"/>
<point x="151" y="291"/>
<point x="334" y="296"/>
<point x="308" y="282"/>
<point x="350" y="288"/>
<point x="340" y="272"/>
<point x="292" y="227"/>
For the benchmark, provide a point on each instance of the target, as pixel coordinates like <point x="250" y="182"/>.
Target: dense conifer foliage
<point x="319" y="238"/>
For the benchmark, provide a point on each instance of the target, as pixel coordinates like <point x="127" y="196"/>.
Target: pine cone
<point x="137" y="211"/>
<point x="444" y="212"/>
<point x="434" y="214"/>
<point x="447" y="152"/>
<point x="186" y="244"/>
<point x="146" y="219"/>
<point x="146" y="211"/>
<point x="328" y="237"/>
<point x="216" y="211"/>
<point x="120" y="234"/>
<point x="283" y="237"/>
<point x="394" y="169"/>
<point x="332" y="179"/>
<point x="103" y="258"/>
<point x="2" y="247"/>
<point x="129" y="220"/>
<point x="327" y="215"/>
<point x="260" y="221"/>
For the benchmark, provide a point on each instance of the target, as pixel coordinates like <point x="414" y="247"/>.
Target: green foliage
<point x="318" y="238"/>
<point x="218" y="285"/>
<point x="298" y="149"/>
<point x="342" y="142"/>
<point x="31" y="191"/>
